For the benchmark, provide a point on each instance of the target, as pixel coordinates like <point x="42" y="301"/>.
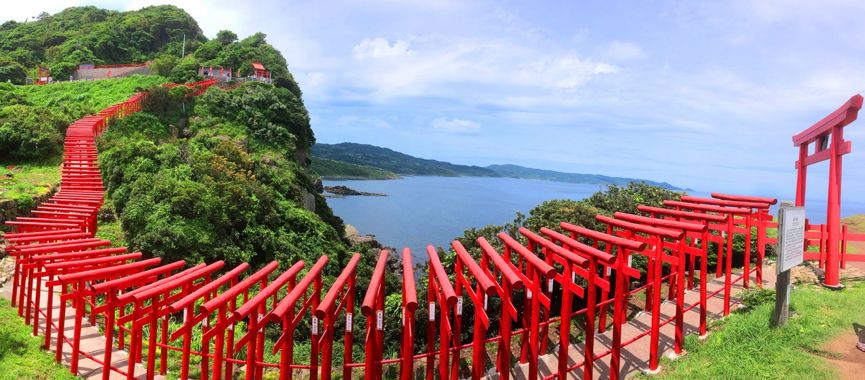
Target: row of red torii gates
<point x="539" y="277"/>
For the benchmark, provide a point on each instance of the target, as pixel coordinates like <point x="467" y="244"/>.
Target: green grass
<point x="28" y="180"/>
<point x="743" y="346"/>
<point x="856" y="223"/>
<point x="87" y="97"/>
<point x="111" y="231"/>
<point x="20" y="354"/>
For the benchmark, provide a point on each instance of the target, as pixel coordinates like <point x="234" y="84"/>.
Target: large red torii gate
<point x="828" y="134"/>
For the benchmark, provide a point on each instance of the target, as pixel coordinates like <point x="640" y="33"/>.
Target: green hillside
<point x="333" y="169"/>
<point x="396" y="162"/>
<point x="63" y="40"/>
<point x="516" y="171"/>
<point x="363" y="161"/>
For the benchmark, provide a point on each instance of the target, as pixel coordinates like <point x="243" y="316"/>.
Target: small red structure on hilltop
<point x="217" y="72"/>
<point x="44" y="76"/>
<point x="259" y="73"/>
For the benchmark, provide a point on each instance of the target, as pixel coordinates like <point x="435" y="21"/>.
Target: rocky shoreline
<point x="347" y="191"/>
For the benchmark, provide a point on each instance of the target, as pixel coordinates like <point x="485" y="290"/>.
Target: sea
<point x="418" y="211"/>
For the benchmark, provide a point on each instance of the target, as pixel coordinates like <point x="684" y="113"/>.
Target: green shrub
<point x="627" y="198"/>
<point x="164" y="64"/>
<point x="274" y="116"/>
<point x="186" y="70"/>
<point x="12" y="72"/>
<point x="28" y="132"/>
<point x="757" y="296"/>
<point x="10" y="97"/>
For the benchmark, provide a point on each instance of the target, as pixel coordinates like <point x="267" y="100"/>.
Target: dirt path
<point x="849" y="362"/>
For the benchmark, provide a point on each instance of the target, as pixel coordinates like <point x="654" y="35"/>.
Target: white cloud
<point x="455" y="125"/>
<point x="623" y="51"/>
<point x="475" y="66"/>
<point x="379" y="48"/>
<point x="565" y="72"/>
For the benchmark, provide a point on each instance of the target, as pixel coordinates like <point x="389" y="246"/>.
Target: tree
<point x="12" y="72"/>
<point x="163" y="64"/>
<point x="226" y="37"/>
<point x="186" y="70"/>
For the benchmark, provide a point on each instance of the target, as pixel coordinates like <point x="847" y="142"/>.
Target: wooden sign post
<point x="791" y="245"/>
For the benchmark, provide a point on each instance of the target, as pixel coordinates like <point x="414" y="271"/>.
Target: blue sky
<point x="701" y="94"/>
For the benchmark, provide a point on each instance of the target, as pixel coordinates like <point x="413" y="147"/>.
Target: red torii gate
<point x="828" y="134"/>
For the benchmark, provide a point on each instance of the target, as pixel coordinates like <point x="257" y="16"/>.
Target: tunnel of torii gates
<point x="209" y="321"/>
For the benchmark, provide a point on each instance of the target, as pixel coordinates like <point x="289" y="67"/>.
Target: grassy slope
<point x="111" y="231"/>
<point x="744" y="347"/>
<point x="20" y="354"/>
<point x="28" y="179"/>
<point x="856" y="223"/>
<point x="88" y="96"/>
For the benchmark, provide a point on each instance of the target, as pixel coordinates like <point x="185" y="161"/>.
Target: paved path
<point x="635" y="356"/>
<point x="92" y="341"/>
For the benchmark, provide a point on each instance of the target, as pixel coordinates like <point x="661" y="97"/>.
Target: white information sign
<point x="791" y="238"/>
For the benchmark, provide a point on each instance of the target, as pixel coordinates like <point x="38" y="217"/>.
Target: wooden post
<point x="791" y="246"/>
<point x="782" y="299"/>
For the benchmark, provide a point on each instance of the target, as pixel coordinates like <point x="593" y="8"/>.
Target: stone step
<point x="635" y="356"/>
<point x="92" y="340"/>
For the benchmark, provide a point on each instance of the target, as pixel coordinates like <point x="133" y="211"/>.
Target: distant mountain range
<point x="363" y="161"/>
<point x="395" y="162"/>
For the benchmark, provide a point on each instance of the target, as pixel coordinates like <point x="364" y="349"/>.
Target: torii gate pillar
<point x="828" y="134"/>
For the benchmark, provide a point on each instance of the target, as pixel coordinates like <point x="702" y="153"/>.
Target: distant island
<point x="364" y="161"/>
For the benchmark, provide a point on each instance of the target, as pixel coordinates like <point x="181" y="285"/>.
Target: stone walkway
<point x="635" y="357"/>
<point x="92" y="341"/>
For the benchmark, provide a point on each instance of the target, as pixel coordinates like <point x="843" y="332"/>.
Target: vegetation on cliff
<point x="207" y="184"/>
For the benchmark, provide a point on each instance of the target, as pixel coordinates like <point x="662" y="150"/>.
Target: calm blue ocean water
<point x="434" y="210"/>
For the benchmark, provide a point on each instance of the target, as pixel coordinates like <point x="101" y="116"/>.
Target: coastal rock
<point x="308" y="201"/>
<point x="345" y="190"/>
<point x="355" y="238"/>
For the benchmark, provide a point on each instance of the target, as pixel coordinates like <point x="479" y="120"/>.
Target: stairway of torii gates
<point x="550" y="283"/>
